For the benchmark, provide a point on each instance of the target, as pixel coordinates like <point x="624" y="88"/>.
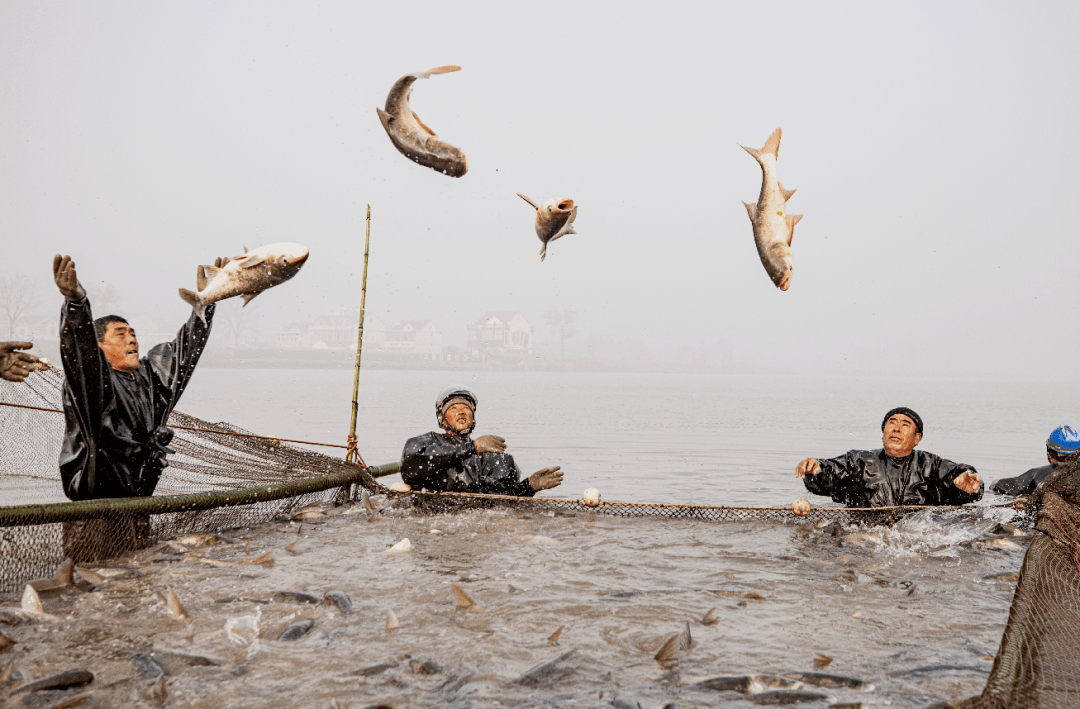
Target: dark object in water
<point x="930" y="669"/>
<point x="625" y="701"/>
<point x="550" y="671"/>
<point x="424" y="667"/>
<point x="71" y="678"/>
<point x="296" y="597"/>
<point x="818" y="679"/>
<point x="339" y="599"/>
<point x="781" y="697"/>
<point x="146" y="667"/>
<point x="375" y="669"/>
<point x="297" y="630"/>
<point x="744" y="684"/>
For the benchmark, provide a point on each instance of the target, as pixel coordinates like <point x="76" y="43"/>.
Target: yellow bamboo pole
<point x="353" y="455"/>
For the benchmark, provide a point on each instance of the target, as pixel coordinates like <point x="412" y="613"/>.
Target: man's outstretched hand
<point x="490" y="444"/>
<point x="968" y="481"/>
<point x="545" y="479"/>
<point x="200" y="274"/>
<point x="809" y="466"/>
<point x="15" y="366"/>
<point x="66" y="279"/>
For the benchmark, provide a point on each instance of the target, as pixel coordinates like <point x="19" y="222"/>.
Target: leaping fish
<point x="411" y="137"/>
<point x="773" y="226"/>
<point x="247" y="275"/>
<point x="554" y="219"/>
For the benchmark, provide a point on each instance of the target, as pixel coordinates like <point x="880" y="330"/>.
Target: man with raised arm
<point x="453" y="462"/>
<point x="895" y="474"/>
<point x="117" y="405"/>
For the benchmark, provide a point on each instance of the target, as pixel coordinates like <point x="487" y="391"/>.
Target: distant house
<point x="500" y="332"/>
<point x="418" y="336"/>
<point x="333" y="332"/>
<point x="37" y="327"/>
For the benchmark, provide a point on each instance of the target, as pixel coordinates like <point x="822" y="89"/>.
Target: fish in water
<point x="744" y="684"/>
<point x="710" y="618"/>
<point x="554" y="220"/>
<point x="31" y="604"/>
<point x="7" y="643"/>
<point x="773" y="226"/>
<point x="296" y="597"/>
<point x="65" y="577"/>
<point x="373" y="514"/>
<point x="553" y="639"/>
<point x="821" y="660"/>
<point x="461" y="598"/>
<point x="339" y="599"/>
<point x="247" y="275"/>
<point x="391" y="620"/>
<point x="781" y="696"/>
<point x="411" y="137"/>
<point x="71" y="678"/>
<point x="146" y="667"/>
<point x="297" y="630"/>
<point x="176" y="610"/>
<point x="550" y="671"/>
<point x="675" y="646"/>
<point x="817" y="679"/>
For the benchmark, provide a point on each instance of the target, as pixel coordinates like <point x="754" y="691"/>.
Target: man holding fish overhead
<point x="453" y="462"/>
<point x="895" y="474"/>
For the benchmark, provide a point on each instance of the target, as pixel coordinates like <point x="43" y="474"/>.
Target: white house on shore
<point x="333" y="332"/>
<point x="416" y="336"/>
<point x="500" y="332"/>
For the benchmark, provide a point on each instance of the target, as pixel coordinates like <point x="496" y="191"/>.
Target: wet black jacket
<point x="445" y="462"/>
<point x="115" y="441"/>
<point x="875" y="479"/>
<point x="1022" y="484"/>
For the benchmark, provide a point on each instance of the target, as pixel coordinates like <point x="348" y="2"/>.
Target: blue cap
<point x="1065" y="440"/>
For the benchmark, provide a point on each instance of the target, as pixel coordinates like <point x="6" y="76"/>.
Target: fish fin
<point x="422" y="125"/>
<point x="792" y="220"/>
<point x="751" y="209"/>
<point x="670" y="649"/>
<point x="543" y="252"/>
<point x="772" y="145"/>
<point x="787" y="193"/>
<point x="685" y="640"/>
<point x="531" y="203"/>
<point x="209" y="272"/>
<point x="192" y="299"/>
<point x="384" y="117"/>
<point x="437" y="70"/>
<point x="65" y="575"/>
<point x="248" y="297"/>
<point x="573" y="216"/>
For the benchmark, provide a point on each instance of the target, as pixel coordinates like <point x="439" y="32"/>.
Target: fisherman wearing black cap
<point x="1063" y="446"/>
<point x="896" y="474"/>
<point x="453" y="462"/>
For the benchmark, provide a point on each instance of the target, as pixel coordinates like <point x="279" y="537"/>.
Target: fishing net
<point x="1038" y="663"/>
<point x="223" y="477"/>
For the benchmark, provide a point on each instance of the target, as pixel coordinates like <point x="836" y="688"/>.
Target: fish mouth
<point x="296" y="260"/>
<point x="566" y="205"/>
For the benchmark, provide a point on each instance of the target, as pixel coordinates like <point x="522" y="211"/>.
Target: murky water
<point x="908" y="609"/>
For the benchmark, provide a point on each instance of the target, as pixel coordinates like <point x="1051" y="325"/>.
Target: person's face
<point x="900" y="436"/>
<point x="120" y="347"/>
<point x="459" y="417"/>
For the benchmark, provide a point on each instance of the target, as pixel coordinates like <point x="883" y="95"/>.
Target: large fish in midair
<point x="554" y="219"/>
<point x="773" y="226"/>
<point x="414" y="139"/>
<point x="247" y="275"/>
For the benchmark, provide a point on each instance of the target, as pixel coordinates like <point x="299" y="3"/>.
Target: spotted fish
<point x="773" y="226"/>
<point x="411" y="137"/>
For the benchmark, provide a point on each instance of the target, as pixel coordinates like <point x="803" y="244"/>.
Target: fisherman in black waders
<point x="1063" y="446"/>
<point x="895" y="474"/>
<point x="116" y="406"/>
<point x="453" y="462"/>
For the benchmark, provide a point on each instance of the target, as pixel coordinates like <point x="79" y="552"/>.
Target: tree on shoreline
<point x="561" y="320"/>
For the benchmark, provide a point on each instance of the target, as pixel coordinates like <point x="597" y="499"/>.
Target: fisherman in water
<point x="453" y="462"/>
<point x="1063" y="446"/>
<point x="116" y="404"/>
<point x="896" y="474"/>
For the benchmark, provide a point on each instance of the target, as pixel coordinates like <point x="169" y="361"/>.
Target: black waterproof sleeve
<point x="1022" y="484"/>
<point x="88" y="395"/>
<point x="172" y="363"/>
<point x="425" y="459"/>
<point x="943" y="472"/>
<point x="837" y="476"/>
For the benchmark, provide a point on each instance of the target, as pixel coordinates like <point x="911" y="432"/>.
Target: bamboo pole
<point x="353" y="455"/>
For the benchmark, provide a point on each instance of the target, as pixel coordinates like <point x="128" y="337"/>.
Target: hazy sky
<point x="933" y="146"/>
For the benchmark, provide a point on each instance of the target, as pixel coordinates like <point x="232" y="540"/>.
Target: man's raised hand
<point x="810" y="466"/>
<point x="200" y="273"/>
<point x="15" y="366"/>
<point x="545" y="479"/>
<point x="66" y="279"/>
<point x="968" y="481"/>
<point x="490" y="444"/>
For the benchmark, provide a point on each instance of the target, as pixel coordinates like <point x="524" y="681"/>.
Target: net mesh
<point x="1038" y="663"/>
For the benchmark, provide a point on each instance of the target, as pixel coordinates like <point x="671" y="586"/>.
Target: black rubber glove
<point x="66" y="279"/>
<point x="545" y="479"/>
<point x="15" y="366"/>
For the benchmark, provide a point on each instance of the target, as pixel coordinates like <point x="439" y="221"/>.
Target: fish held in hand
<point x="554" y="220"/>
<point x="247" y="275"/>
<point x="773" y="226"/>
<point x="411" y="137"/>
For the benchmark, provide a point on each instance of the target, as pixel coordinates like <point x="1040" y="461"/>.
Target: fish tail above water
<point x="192" y="299"/>
<point x="437" y="70"/>
<point x="532" y="204"/>
<point x="771" y="147"/>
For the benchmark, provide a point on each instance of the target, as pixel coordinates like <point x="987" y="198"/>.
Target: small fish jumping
<point x="554" y="219"/>
<point x="773" y="226"/>
<point x="411" y="137"/>
<point x="247" y="275"/>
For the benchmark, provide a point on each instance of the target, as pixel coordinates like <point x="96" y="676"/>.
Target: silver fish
<point x="743" y="684"/>
<point x="339" y="599"/>
<point x="411" y="137"/>
<point x="550" y="671"/>
<point x="773" y="226"/>
<point x="819" y="679"/>
<point x="781" y="696"/>
<point x="296" y="630"/>
<point x="554" y="220"/>
<point x="247" y="275"/>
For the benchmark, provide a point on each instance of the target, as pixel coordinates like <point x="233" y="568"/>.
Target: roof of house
<point x="503" y="316"/>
